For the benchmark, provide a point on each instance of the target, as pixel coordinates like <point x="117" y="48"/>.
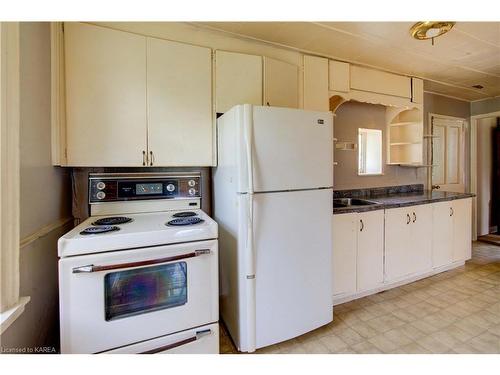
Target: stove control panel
<point x="143" y="186"/>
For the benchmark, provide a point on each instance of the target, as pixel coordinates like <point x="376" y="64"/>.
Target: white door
<point x="238" y="80"/>
<point x="345" y="227"/>
<point x="442" y="234"/>
<point x="420" y="255"/>
<point x="292" y="149"/>
<point x="397" y="243"/>
<point x="105" y="96"/>
<point x="119" y="298"/>
<point x="292" y="234"/>
<point x="448" y="146"/>
<point x="180" y="118"/>
<point x="281" y="84"/>
<point x="370" y="254"/>
<point x="316" y="83"/>
<point x="462" y="222"/>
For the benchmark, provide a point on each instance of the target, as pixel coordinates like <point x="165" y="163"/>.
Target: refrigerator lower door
<point x="292" y="237"/>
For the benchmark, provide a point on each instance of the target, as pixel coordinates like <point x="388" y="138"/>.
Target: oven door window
<point x="144" y="290"/>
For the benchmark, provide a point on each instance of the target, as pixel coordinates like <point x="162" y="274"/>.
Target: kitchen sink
<point x="351" y="202"/>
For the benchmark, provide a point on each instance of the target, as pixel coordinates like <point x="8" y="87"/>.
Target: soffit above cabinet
<point x="469" y="54"/>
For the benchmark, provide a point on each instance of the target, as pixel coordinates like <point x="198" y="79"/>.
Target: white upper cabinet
<point x="417" y="90"/>
<point x="372" y="80"/>
<point x="105" y="96"/>
<point x="339" y="76"/>
<point x="238" y="80"/>
<point x="316" y="83"/>
<point x="281" y="84"/>
<point x="179" y="92"/>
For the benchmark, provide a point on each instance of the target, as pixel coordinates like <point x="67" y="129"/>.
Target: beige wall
<point x="45" y="196"/>
<point x="485" y="106"/>
<point x="350" y="117"/>
<point x="484" y="173"/>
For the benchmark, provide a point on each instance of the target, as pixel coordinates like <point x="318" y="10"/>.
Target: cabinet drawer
<point x="365" y="79"/>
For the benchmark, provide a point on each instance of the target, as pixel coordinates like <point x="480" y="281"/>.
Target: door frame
<point x="466" y="127"/>
<point x="473" y="165"/>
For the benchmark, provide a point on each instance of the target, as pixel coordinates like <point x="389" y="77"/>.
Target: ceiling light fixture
<point x="430" y="29"/>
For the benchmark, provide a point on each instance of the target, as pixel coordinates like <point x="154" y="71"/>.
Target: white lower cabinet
<point x="451" y="238"/>
<point x="345" y="241"/>
<point x="377" y="250"/>
<point x="358" y="253"/>
<point x="408" y="241"/>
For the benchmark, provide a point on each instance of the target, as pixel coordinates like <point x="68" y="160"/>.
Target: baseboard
<point x="337" y="300"/>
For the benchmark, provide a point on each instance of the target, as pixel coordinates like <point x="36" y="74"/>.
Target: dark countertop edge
<point x="385" y="206"/>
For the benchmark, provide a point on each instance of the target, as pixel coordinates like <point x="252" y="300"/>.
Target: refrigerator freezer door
<point x="293" y="252"/>
<point x="292" y="149"/>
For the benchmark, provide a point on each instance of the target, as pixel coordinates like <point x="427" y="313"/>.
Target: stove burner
<point x="115" y="220"/>
<point x="184" y="214"/>
<point x="99" y="230"/>
<point x="185" y="221"/>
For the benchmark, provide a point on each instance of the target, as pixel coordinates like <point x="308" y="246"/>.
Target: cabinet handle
<point x="143" y="157"/>
<point x="362" y="225"/>
<point x="268" y="104"/>
<point x="408" y="219"/>
<point x="414" y="217"/>
<point x="451" y="211"/>
<point x="151" y="158"/>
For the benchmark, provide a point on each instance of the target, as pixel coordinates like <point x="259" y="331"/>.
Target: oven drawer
<point x="114" y="299"/>
<point x="200" y="340"/>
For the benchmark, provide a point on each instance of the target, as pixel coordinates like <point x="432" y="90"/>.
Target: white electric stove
<point x="140" y="275"/>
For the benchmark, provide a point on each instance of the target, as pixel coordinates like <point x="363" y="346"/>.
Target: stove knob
<point x="192" y="191"/>
<point x="100" y="195"/>
<point x="170" y="187"/>
<point x="191" y="183"/>
<point x="101" y="185"/>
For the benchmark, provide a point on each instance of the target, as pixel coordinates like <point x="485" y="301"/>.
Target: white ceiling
<point x="468" y="55"/>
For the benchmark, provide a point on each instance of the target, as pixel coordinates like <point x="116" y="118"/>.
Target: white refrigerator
<point x="273" y="203"/>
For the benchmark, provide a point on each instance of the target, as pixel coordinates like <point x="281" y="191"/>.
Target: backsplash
<point x="378" y="191"/>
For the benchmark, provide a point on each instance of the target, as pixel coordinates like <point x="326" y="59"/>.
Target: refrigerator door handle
<point x="250" y="256"/>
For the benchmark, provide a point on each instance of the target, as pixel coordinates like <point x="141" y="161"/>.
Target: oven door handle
<point x="198" y="335"/>
<point x="92" y="268"/>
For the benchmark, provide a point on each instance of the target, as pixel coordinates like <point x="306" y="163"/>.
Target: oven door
<point x="118" y="298"/>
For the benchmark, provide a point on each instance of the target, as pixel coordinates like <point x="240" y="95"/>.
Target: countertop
<point x="385" y="201"/>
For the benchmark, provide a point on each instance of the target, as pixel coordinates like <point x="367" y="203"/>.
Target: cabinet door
<point x="339" y="76"/>
<point x="462" y="224"/>
<point x="281" y="84"/>
<point x="442" y="234"/>
<point x="105" y="96"/>
<point x="316" y="83"/>
<point x="397" y="246"/>
<point x="421" y="239"/>
<point x="180" y="118"/>
<point x="344" y="254"/>
<point x="238" y="80"/>
<point x="370" y="255"/>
